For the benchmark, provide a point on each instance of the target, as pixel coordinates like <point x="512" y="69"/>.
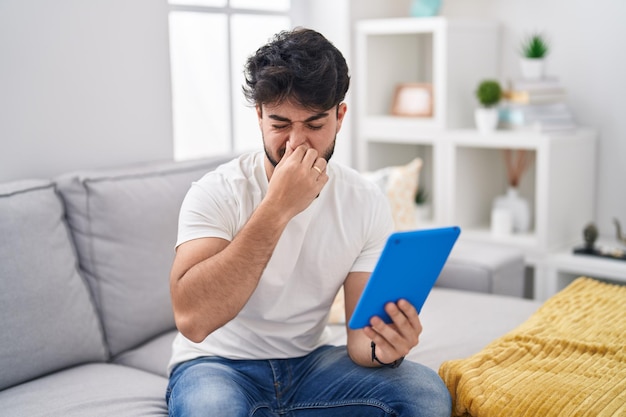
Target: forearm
<point x="215" y="289"/>
<point x="359" y="349"/>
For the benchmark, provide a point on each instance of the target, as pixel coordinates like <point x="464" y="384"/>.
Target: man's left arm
<point x="393" y="341"/>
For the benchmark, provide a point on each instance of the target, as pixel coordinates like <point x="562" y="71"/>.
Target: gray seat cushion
<point x="484" y="267"/>
<point x="153" y="356"/>
<point x="47" y="319"/>
<point x="89" y="390"/>
<point x="125" y="223"/>
<point x="460" y="323"/>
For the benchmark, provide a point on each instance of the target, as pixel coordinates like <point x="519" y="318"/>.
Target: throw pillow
<point x="401" y="190"/>
<point x="399" y="183"/>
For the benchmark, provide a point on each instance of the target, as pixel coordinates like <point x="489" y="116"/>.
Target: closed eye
<point x="315" y="127"/>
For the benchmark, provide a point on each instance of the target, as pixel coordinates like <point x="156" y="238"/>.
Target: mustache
<point x="327" y="154"/>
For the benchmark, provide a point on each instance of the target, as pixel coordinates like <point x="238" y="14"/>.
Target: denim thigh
<point x="324" y="383"/>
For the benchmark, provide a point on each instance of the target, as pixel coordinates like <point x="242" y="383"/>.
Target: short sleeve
<point x="208" y="210"/>
<point x="377" y="228"/>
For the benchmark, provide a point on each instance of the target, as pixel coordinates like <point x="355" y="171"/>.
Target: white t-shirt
<point x="342" y="231"/>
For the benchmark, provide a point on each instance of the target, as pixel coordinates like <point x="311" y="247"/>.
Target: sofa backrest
<point x="47" y="319"/>
<point x="124" y="223"/>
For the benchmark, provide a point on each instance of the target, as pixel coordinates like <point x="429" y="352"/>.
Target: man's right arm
<point x="212" y="279"/>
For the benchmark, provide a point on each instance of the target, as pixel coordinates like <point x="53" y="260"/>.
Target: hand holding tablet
<point x="408" y="267"/>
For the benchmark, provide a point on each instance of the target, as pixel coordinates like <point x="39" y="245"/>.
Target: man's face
<point x="291" y="125"/>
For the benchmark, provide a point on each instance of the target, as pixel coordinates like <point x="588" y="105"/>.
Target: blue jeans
<point x="324" y="383"/>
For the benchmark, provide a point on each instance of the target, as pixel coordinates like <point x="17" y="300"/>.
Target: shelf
<point x="400" y="129"/>
<point x="514" y="139"/>
<point x="561" y="268"/>
<point x="527" y="241"/>
<point x="438" y="51"/>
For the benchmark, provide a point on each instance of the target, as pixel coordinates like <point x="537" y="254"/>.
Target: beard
<point x="326" y="154"/>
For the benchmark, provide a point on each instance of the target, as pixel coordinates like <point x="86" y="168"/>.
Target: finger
<point x="286" y="154"/>
<point x="387" y="332"/>
<point x="288" y="149"/>
<point x="320" y="165"/>
<point x="296" y="154"/>
<point x="410" y="312"/>
<point x="386" y="351"/>
<point x="309" y="157"/>
<point x="406" y="322"/>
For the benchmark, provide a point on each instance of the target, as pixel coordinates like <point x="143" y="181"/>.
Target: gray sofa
<point x="85" y="314"/>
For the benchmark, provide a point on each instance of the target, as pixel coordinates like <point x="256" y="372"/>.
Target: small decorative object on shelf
<point x="517" y="162"/>
<point x="425" y="8"/>
<point x="534" y="50"/>
<point x="488" y="94"/>
<point x="618" y="232"/>
<point x="590" y="234"/>
<point x="517" y="207"/>
<point x="413" y="99"/>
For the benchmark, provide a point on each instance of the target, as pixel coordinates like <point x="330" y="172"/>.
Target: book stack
<point x="536" y="105"/>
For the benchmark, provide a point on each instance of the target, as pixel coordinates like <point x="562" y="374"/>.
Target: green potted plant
<point x="534" y="50"/>
<point x="488" y="94"/>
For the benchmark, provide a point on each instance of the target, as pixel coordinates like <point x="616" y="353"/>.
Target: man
<point x="265" y="243"/>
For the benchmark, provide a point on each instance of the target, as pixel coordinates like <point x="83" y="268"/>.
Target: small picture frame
<point x="413" y="100"/>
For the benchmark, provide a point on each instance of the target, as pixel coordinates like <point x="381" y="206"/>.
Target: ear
<point x="341" y="112"/>
<point x="259" y="113"/>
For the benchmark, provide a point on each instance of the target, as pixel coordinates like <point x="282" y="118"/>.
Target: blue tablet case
<point x="408" y="267"/>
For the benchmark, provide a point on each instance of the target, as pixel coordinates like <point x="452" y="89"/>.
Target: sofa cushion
<point x="459" y="323"/>
<point x="153" y="356"/>
<point x="124" y="222"/>
<point x="88" y="390"/>
<point x="48" y="321"/>
<point x="484" y="267"/>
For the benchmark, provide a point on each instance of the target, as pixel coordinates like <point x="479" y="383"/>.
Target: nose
<point x="296" y="137"/>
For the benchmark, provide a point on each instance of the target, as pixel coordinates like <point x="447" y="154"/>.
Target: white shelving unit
<point x="559" y="185"/>
<point x="463" y="169"/>
<point x="561" y="268"/>
<point x="452" y="55"/>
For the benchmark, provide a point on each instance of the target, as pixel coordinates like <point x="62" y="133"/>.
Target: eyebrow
<point x="286" y="120"/>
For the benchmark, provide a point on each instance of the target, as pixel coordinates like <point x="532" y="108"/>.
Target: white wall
<point x="314" y="15"/>
<point x="82" y="84"/>
<point x="86" y="83"/>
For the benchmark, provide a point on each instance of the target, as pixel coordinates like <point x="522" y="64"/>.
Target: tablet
<point x="408" y="267"/>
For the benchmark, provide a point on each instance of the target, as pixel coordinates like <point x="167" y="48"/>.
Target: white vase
<point x="517" y="206"/>
<point x="486" y="119"/>
<point x="532" y="68"/>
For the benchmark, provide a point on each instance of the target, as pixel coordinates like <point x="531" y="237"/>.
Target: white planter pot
<point x="533" y="68"/>
<point x="486" y="119"/>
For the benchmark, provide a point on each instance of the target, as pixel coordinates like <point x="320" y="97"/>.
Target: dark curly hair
<point x="299" y="65"/>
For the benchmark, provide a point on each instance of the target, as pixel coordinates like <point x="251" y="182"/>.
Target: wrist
<point x="393" y="364"/>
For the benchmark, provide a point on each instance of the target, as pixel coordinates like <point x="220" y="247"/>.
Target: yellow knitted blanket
<point x="567" y="359"/>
